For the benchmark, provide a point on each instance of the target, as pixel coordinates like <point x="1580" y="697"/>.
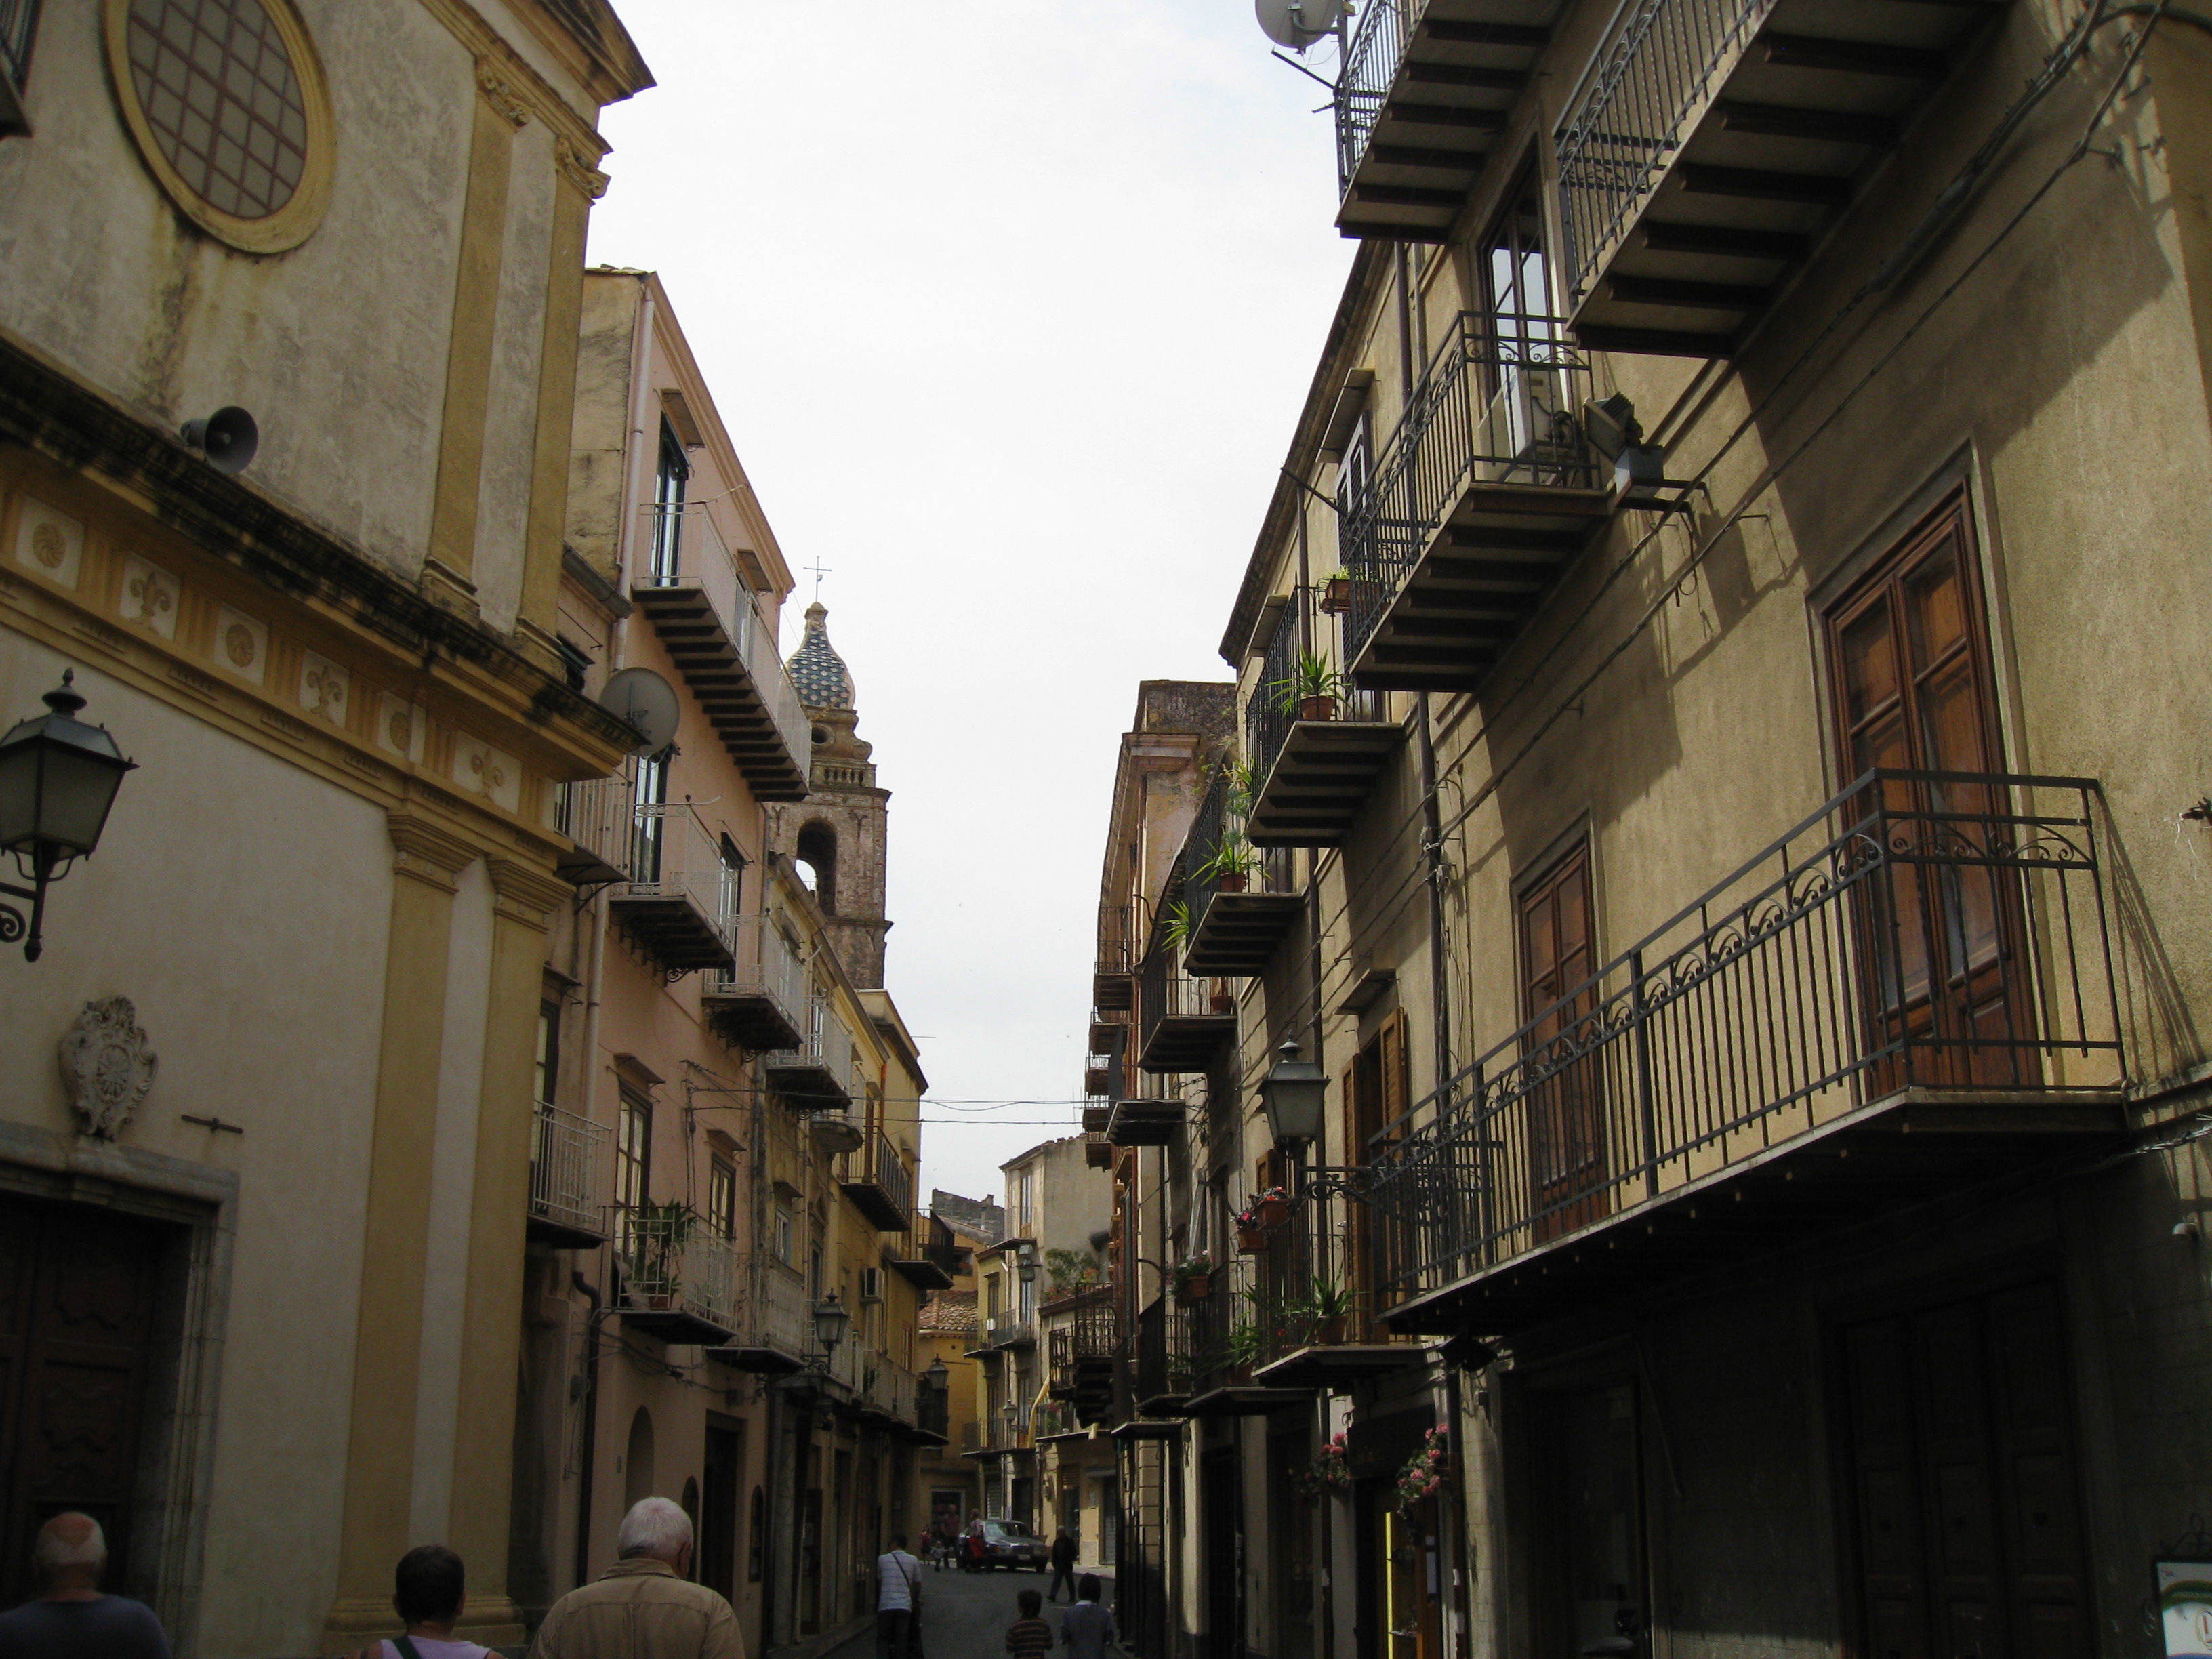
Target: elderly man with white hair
<point x="71" y="1619"/>
<point x="644" y="1607"/>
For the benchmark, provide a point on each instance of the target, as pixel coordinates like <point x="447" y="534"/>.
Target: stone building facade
<point x="1714" y="796"/>
<point x="325" y="892"/>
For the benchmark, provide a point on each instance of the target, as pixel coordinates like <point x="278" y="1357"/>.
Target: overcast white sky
<point x="1008" y="306"/>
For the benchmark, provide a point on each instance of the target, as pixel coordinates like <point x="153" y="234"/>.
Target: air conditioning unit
<point x="871" y="1283"/>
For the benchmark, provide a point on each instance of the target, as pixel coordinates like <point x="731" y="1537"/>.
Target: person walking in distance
<point x="1029" y="1637"/>
<point x="1063" y="1566"/>
<point x="1086" y="1628"/>
<point x="428" y="1587"/>
<point x="70" y="1619"/>
<point x="971" y="1547"/>
<point x="898" y="1600"/>
<point x="644" y="1607"/>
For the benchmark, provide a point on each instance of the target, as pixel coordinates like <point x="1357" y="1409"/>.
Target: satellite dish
<point x="1297" y="23"/>
<point x="647" y="702"/>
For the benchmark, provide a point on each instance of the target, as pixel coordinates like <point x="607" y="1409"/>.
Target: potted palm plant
<point x="1175" y="926"/>
<point x="1230" y="867"/>
<point x="1309" y="691"/>
<point x="1220" y="998"/>
<point x="1327" y="1307"/>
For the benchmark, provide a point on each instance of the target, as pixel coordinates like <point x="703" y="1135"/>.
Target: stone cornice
<point x="46" y="409"/>
<point x="527" y="895"/>
<point x="427" y="851"/>
<point x="585" y="38"/>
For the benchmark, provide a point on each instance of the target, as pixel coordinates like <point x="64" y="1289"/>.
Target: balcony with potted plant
<point x="1182" y="1019"/>
<point x="1237" y="897"/>
<point x="1317" y="744"/>
<point x="678" y="1282"/>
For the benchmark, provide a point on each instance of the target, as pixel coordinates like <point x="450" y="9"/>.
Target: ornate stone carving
<point x="500" y="93"/>
<point x="107" y="1066"/>
<point x="579" y="171"/>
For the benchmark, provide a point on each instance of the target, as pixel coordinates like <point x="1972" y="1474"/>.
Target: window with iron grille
<point x="722" y="1198"/>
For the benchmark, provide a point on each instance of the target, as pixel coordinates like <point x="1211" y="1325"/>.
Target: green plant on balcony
<point x="1309" y="691"/>
<point x="1240" y="788"/>
<point x="1175" y="926"/>
<point x="1321" y="1313"/>
<point x="1070" y="1272"/>
<point x="1247" y="1344"/>
<point x="660" y="1232"/>
<point x="1193" y="1277"/>
<point x="1232" y="865"/>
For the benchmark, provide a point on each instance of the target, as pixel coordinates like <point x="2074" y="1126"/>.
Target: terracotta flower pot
<point x="1251" y="1241"/>
<point x="1317" y="709"/>
<point x="1233" y="883"/>
<point x="1223" y="1003"/>
<point x="1274" y="1211"/>
<point x="1336" y="595"/>
<point x="1195" y="1287"/>
<point x="1329" y="1333"/>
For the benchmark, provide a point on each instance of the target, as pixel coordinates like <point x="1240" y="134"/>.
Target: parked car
<point x="1011" y="1544"/>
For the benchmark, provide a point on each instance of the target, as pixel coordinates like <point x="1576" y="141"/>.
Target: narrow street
<point x="964" y="1615"/>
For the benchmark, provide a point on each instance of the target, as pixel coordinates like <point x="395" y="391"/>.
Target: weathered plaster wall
<point x="105" y="274"/>
<point x="240" y="904"/>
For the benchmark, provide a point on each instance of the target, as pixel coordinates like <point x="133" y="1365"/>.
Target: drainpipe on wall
<point x="1432" y="849"/>
<point x="589" y="1449"/>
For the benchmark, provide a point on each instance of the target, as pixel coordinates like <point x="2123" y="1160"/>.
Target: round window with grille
<point x="227" y="106"/>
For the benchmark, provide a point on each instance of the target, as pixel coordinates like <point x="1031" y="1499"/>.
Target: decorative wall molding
<point x="108" y="1066"/>
<point x="526" y="896"/>
<point x="500" y="92"/>
<point x="427" y="851"/>
<point x="579" y="171"/>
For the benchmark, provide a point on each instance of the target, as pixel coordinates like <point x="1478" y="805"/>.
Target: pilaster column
<point x="387" y="1341"/>
<point x="447" y="575"/>
<point x="484" y="1448"/>
<point x="581" y="185"/>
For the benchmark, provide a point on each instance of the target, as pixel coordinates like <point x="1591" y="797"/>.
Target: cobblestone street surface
<point x="964" y="1615"/>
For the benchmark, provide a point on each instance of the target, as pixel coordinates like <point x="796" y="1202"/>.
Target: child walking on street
<point x="1029" y="1637"/>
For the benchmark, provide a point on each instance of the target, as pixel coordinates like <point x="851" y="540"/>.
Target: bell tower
<point x="837" y="834"/>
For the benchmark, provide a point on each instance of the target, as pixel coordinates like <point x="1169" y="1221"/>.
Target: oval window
<point x="227" y="106"/>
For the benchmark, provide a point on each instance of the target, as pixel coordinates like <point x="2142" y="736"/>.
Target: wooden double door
<point x="1966" y="1513"/>
<point x="77" y="1329"/>
<point x="1942" y="934"/>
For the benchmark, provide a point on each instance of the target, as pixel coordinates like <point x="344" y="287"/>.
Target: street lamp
<point x="1293" y="1094"/>
<point x="1025" y="1263"/>
<point x="830" y="1320"/>
<point x="57" y="780"/>
<point x="938" y="1376"/>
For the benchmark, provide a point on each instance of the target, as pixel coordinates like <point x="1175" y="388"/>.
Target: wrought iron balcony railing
<point x="1497" y="408"/>
<point x="670" y="885"/>
<point x="877" y="1180"/>
<point x="568" y="1176"/>
<point x="1183" y="1020"/>
<point x="1635" y="105"/>
<point x="1371" y="58"/>
<point x="1239" y="900"/>
<point x="19" y="27"/>
<point x="761" y="1000"/>
<point x="1310" y="627"/>
<point x="711" y="624"/>
<point x="819" y="1072"/>
<point x="1923" y="935"/>
<point x="679" y="1273"/>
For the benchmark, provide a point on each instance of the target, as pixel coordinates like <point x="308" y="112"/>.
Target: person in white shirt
<point x="898" y="1600"/>
<point x="429" y="1589"/>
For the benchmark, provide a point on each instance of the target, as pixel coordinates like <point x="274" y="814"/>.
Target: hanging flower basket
<point x="1423" y="1477"/>
<point x="1194" y="1288"/>
<point x="1251" y="1241"/>
<point x="1273" y="1212"/>
<point x="1336" y="595"/>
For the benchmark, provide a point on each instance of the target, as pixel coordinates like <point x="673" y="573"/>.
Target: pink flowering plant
<point x="1251" y="1214"/>
<point x="1423" y="1475"/>
<point x="1327" y="1473"/>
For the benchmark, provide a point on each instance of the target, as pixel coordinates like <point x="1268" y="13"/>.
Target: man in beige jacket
<point x="643" y="1607"/>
